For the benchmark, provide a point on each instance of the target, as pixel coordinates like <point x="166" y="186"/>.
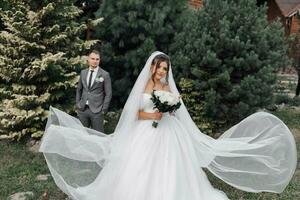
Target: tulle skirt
<point x="165" y="163"/>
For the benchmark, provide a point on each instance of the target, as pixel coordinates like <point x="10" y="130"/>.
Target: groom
<point x="93" y="93"/>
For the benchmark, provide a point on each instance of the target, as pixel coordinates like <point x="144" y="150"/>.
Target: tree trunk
<point x="88" y="33"/>
<point x="298" y="84"/>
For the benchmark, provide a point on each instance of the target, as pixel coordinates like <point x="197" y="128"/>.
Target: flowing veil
<point x="258" y="154"/>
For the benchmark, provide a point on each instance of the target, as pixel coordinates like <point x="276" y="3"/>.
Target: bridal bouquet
<point x="164" y="102"/>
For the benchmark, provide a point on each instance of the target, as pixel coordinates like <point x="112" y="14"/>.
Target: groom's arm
<point x="79" y="91"/>
<point x="108" y="93"/>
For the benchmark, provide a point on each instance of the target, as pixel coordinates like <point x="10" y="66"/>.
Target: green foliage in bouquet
<point x="130" y="31"/>
<point x="231" y="52"/>
<point x="39" y="63"/>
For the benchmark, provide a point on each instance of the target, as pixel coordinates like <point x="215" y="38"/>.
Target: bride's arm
<point x="149" y="116"/>
<point x="146" y="115"/>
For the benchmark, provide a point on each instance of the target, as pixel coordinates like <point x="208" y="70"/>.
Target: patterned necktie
<point x="90" y="79"/>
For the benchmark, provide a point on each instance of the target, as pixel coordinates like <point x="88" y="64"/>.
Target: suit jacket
<point x="98" y="96"/>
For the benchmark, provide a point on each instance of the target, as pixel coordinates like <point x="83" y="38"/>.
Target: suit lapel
<point x="84" y="78"/>
<point x="99" y="73"/>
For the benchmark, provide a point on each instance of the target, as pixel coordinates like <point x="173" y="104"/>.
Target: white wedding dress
<point x="161" y="165"/>
<point x="140" y="162"/>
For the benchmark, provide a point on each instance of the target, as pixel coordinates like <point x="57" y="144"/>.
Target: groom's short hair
<point x="94" y="51"/>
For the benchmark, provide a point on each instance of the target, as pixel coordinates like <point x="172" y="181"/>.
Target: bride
<point x="140" y="162"/>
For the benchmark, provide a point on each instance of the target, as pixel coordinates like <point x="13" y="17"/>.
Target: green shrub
<point x="231" y="52"/>
<point x="39" y="61"/>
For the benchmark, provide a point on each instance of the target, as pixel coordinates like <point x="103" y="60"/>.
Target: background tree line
<point x="224" y="55"/>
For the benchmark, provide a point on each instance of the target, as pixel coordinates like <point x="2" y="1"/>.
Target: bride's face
<point x="162" y="70"/>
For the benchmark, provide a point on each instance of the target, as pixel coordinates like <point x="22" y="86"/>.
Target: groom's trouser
<point x="90" y="119"/>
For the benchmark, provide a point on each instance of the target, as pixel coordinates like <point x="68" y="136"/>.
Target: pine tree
<point x="4" y="6"/>
<point x="130" y="31"/>
<point x="89" y="7"/>
<point x="40" y="50"/>
<point x="231" y="52"/>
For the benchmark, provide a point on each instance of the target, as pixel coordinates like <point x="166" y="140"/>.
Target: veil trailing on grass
<point x="258" y="154"/>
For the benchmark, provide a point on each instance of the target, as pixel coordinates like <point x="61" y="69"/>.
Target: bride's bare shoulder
<point x="149" y="86"/>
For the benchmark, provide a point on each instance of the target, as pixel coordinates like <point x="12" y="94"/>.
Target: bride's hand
<point x="157" y="115"/>
<point x="172" y="113"/>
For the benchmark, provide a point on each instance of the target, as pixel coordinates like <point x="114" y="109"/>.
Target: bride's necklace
<point x="161" y="87"/>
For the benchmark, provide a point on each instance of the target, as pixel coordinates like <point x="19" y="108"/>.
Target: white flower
<point x="99" y="79"/>
<point x="167" y="97"/>
<point x="161" y="98"/>
<point x="172" y="101"/>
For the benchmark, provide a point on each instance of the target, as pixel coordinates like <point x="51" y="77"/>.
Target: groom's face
<point x="93" y="60"/>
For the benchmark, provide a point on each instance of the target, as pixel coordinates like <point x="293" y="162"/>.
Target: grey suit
<point x="98" y="97"/>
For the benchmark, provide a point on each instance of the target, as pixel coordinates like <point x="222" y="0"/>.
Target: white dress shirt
<point x="93" y="77"/>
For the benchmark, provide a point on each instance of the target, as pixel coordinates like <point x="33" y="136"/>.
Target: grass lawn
<point x="19" y="168"/>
